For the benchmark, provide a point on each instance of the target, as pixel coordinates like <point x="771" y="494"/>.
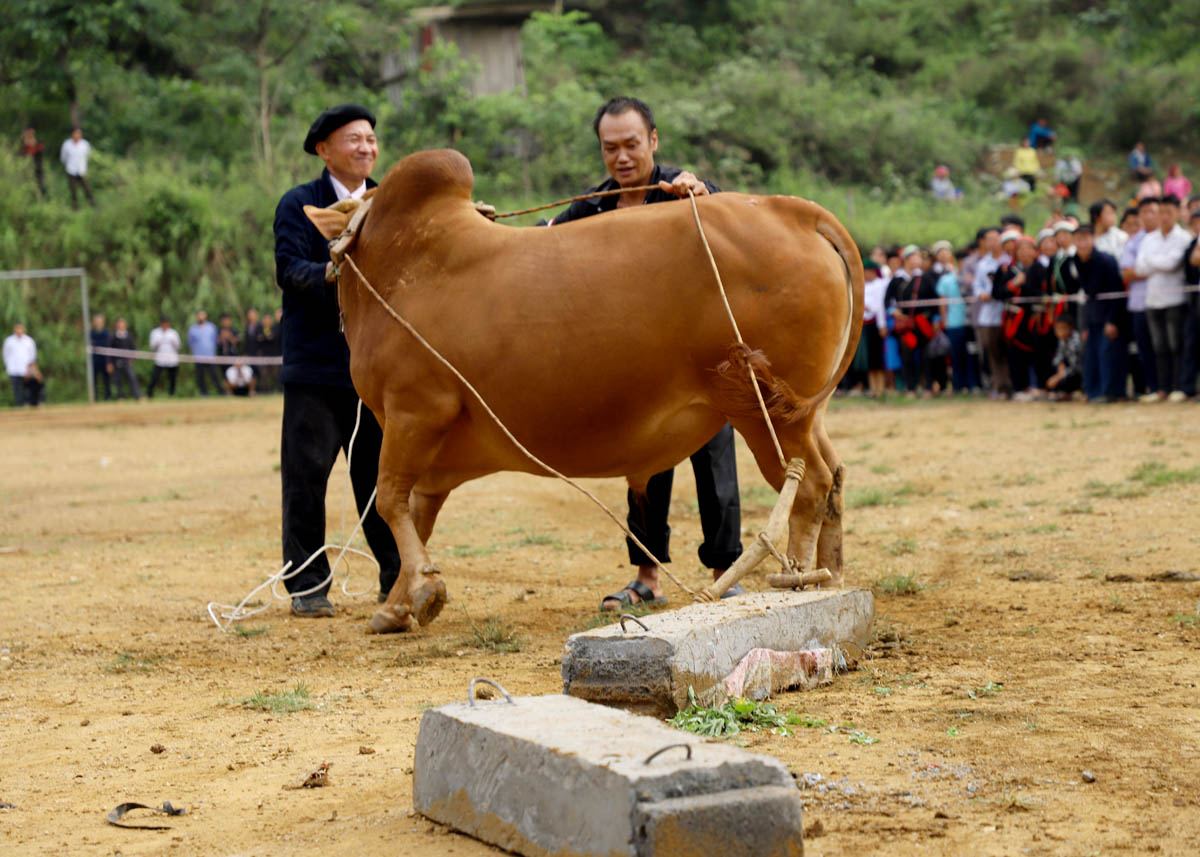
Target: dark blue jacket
<point x="100" y="339"/>
<point x="314" y="348"/>
<point x="1096" y="276"/>
<point x="597" y="204"/>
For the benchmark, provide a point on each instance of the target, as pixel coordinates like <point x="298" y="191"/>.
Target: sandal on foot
<point x="733" y="591"/>
<point x="624" y="598"/>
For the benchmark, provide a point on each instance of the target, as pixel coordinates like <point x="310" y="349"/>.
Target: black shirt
<point x="314" y="348"/>
<point x="587" y="207"/>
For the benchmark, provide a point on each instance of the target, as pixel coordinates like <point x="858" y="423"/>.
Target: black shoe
<point x="315" y="606"/>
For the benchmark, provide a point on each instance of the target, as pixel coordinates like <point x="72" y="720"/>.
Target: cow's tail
<point x="833" y="232"/>
<point x="782" y="401"/>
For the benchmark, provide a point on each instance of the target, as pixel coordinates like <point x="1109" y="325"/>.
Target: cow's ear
<point x="329" y="223"/>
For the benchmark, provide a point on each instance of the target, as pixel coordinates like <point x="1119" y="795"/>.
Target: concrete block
<point x="554" y="775"/>
<point x="703" y="645"/>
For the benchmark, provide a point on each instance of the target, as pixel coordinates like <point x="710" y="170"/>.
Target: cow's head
<point x="339" y="224"/>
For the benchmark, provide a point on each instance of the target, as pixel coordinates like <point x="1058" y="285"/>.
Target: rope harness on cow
<point x="794" y="472"/>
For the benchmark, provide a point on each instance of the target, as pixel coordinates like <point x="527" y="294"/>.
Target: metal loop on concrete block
<point x="662" y="750"/>
<point x="633" y="619"/>
<point x="493" y="683"/>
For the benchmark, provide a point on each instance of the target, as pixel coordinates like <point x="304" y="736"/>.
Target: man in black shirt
<point x="628" y="140"/>
<point x="319" y="401"/>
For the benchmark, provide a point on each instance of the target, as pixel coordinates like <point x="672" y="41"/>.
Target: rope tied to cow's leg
<point x="496" y="419"/>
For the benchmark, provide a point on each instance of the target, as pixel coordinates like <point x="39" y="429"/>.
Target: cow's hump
<point x="439" y="173"/>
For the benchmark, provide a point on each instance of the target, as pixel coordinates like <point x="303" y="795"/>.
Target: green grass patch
<point x="760" y="495"/>
<point x="532" y="538"/>
<point x="1155" y="474"/>
<point x="900" y="547"/>
<point x="898" y="584"/>
<point x="864" y="498"/>
<point x="738" y="715"/>
<point x="421" y="655"/>
<point x="495" y="634"/>
<point x="284" y="702"/>
<point x="1111" y="490"/>
<point x="1188" y="620"/>
<point x="472" y="550"/>
<point x="130" y="662"/>
<point x="986" y="503"/>
<point x="611" y="617"/>
<point x="881" y="469"/>
<point x="986" y="691"/>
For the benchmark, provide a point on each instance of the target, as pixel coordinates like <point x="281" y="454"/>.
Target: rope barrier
<point x="1075" y="297"/>
<point x="105" y="351"/>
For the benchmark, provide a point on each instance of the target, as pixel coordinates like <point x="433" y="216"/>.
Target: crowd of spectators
<point x="1102" y="310"/>
<point x="219" y="347"/>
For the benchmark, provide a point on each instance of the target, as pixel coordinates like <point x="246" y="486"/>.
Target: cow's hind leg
<point x="807" y="513"/>
<point x="829" y="542"/>
<point x="410" y="446"/>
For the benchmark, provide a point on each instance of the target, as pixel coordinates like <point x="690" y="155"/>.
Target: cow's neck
<point x="626" y="200"/>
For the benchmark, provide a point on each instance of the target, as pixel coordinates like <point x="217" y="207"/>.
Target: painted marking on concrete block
<point x="554" y="775"/>
<point x="701" y="646"/>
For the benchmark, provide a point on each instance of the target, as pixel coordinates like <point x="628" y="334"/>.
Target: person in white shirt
<point x="1160" y="261"/>
<point x="20" y="352"/>
<point x="165" y="343"/>
<point x="74" y="155"/>
<point x="239" y="379"/>
<point x="990" y="317"/>
<point x="1110" y="238"/>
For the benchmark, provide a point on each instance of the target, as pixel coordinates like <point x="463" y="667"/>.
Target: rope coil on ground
<point x="231" y="613"/>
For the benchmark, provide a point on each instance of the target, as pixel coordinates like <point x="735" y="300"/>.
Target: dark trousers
<point x="18" y="388"/>
<point x="992" y="340"/>
<point x="1191" y="345"/>
<point x="1103" y="365"/>
<point x="101" y="375"/>
<point x="206" y="372"/>
<point x="715" y="468"/>
<point x="964" y="374"/>
<point x="1166" y="333"/>
<point x="126" y="378"/>
<point x="1145" y="350"/>
<point x="172" y="374"/>
<point x="1020" y="364"/>
<point x="318" y="421"/>
<point x="72" y="182"/>
<point x="914" y="365"/>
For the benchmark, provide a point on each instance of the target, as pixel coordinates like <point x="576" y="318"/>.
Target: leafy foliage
<point x="196" y="110"/>
<point x="737" y="715"/>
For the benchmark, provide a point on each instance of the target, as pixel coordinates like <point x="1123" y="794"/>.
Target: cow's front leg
<point x="409" y="449"/>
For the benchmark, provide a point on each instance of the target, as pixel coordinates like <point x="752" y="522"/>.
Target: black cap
<point x="331" y="120"/>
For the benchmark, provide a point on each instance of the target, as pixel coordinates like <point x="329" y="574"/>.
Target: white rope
<point x="231" y="613"/>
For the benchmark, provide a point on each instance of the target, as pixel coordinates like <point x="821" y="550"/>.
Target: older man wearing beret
<point x="319" y="401"/>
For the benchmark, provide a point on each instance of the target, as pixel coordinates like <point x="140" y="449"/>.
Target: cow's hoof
<point x="389" y="620"/>
<point x="428" y="600"/>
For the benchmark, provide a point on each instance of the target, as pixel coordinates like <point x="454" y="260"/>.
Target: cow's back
<point x="602" y="334"/>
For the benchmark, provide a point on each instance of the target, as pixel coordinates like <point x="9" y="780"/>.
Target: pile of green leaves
<point x="738" y="715"/>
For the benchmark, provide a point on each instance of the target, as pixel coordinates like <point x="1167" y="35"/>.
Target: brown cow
<point x="602" y="344"/>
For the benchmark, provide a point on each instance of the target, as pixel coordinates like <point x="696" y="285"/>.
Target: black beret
<point x="331" y="120"/>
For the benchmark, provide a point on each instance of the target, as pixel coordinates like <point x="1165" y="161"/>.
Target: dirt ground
<point x="1031" y="645"/>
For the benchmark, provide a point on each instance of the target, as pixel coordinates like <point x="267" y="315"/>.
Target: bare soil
<point x="1032" y="644"/>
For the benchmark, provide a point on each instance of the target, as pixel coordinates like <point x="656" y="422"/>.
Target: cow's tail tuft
<point x="783" y="403"/>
